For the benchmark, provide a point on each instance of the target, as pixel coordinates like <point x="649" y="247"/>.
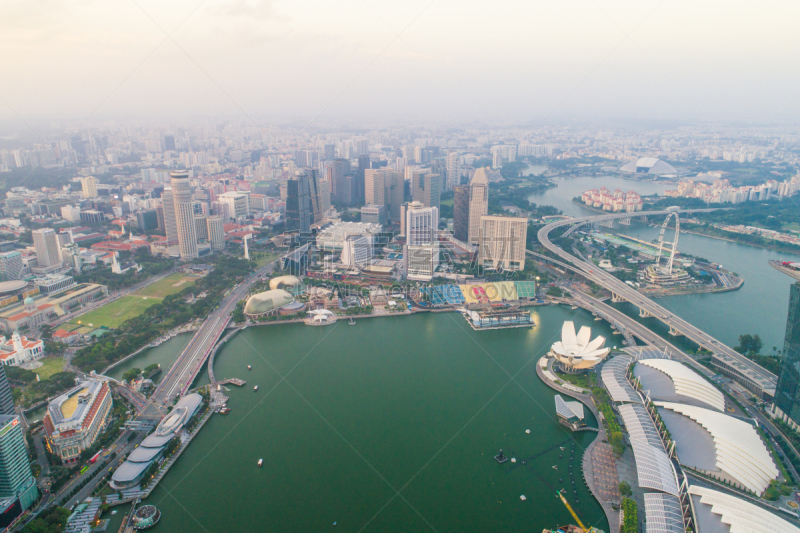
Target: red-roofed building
<point x="18" y="350"/>
<point x="66" y="337"/>
<point x="75" y="419"/>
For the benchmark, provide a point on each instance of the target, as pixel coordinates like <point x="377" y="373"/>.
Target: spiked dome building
<point x="578" y="352"/>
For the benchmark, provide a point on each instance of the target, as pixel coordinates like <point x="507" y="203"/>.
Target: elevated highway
<point x="731" y="363"/>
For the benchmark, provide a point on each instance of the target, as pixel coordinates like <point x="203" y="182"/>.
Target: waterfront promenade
<point x="599" y="470"/>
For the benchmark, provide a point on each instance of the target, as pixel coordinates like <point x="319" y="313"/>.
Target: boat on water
<point x="352" y="322"/>
<point x="260" y="462"/>
<point x="249" y="367"/>
<point x="597" y="318"/>
<point x="224" y="411"/>
<point x="574" y="307"/>
<point x="255" y="389"/>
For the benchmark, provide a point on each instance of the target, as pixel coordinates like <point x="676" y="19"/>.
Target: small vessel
<point x="555" y="467"/>
<point x="574" y="307"/>
<point x="352" y="322"/>
<point x="527" y="431"/>
<point x="260" y="462"/>
<point x="255" y="389"/>
<point x="249" y="367"/>
<point x="224" y="411"/>
<point x="522" y="497"/>
<point x="598" y="318"/>
<point x="513" y="459"/>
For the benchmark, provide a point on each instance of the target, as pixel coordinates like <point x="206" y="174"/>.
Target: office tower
<point x="363" y="165"/>
<point x="11" y="266"/>
<point x="16" y="481"/>
<point x="453" y="171"/>
<point x="340" y="189"/>
<point x="422" y="224"/>
<point x="215" y="229"/>
<point x="238" y="203"/>
<point x="395" y="191"/>
<point x="200" y="227"/>
<point x="461" y="213"/>
<point x="502" y="242"/>
<point x="169" y="142"/>
<point x="374" y="214"/>
<point x="298" y="204"/>
<point x="319" y="197"/>
<point x="6" y="399"/>
<point x="170" y="224"/>
<point x="787" y="393"/>
<point x="426" y="188"/>
<point x="48" y="252"/>
<point x="184" y="214"/>
<point x="306" y="158"/>
<point x="478" y="203"/>
<point x="89" y="184"/>
<point x="147" y="220"/>
<point x="330" y="152"/>
<point x="362" y="147"/>
<point x="375" y="186"/>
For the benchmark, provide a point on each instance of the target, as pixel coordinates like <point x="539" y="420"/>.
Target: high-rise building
<point x="453" y="171"/>
<point x="330" y="152"/>
<point x="363" y="165"/>
<point x="11" y="266"/>
<point x="422" y="224"/>
<point x="461" y="213"/>
<point x="319" y="197"/>
<point x="298" y="204"/>
<point x="147" y="220"/>
<point x="6" y="398"/>
<point x="48" y="251"/>
<point x="501" y="245"/>
<point x="215" y="228"/>
<point x="375" y="186"/>
<point x="395" y="191"/>
<point x="200" y="227"/>
<point x="426" y="188"/>
<point x="787" y="393"/>
<point x="17" y="484"/>
<point x="75" y="419"/>
<point x="184" y="214"/>
<point x="89" y="185"/>
<point x="478" y="203"/>
<point x="169" y="141"/>
<point x="340" y="188"/>
<point x="170" y="224"/>
<point x="238" y="203"/>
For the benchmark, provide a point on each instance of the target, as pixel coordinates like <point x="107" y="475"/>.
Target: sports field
<point x="115" y="313"/>
<point x="169" y="285"/>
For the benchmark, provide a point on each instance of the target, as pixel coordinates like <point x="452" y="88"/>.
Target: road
<point x="746" y="369"/>
<point x="185" y="369"/>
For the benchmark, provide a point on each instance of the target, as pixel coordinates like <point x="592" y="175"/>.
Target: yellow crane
<point x="569" y="508"/>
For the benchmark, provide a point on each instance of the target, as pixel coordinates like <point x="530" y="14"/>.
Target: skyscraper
<point x="216" y="232"/>
<point x="502" y="242"/>
<point x="89" y="185"/>
<point x="298" y="204"/>
<point x="6" y="399"/>
<point x="184" y="214"/>
<point x="478" y="203"/>
<point x="11" y="266"/>
<point x="169" y="141"/>
<point x="330" y="152"/>
<point x="461" y="213"/>
<point x="426" y="188"/>
<point x="340" y="187"/>
<point x="48" y="251"/>
<point x="395" y="191"/>
<point x="375" y="186"/>
<point x="787" y="393"/>
<point x="421" y="225"/>
<point x="170" y="224"/>
<point x="317" y="196"/>
<point x="453" y="171"/>
<point x="363" y="165"/>
<point x="16" y="480"/>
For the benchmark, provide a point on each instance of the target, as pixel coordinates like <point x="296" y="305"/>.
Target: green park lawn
<point x="449" y="202"/>
<point x="50" y="366"/>
<point x="169" y="285"/>
<point x="263" y="258"/>
<point x="115" y="313"/>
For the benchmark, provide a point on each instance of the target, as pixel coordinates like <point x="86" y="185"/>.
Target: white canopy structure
<point x="613" y="375"/>
<point x="569" y="409"/>
<point x="740" y="515"/>
<point x="578" y="352"/>
<point x="688" y="382"/>
<point x="649" y="165"/>
<point x="664" y="513"/>
<point x="739" y="449"/>
<point x="653" y="466"/>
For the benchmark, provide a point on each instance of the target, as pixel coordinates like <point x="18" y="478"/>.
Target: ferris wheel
<point x="673" y="248"/>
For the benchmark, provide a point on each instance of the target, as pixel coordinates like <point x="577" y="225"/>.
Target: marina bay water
<point x="164" y="354"/>
<point x="412" y="404"/>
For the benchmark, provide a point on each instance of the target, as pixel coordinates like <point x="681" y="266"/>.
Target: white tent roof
<point x="740" y="451"/>
<point x="741" y="515"/>
<point x="688" y="382"/>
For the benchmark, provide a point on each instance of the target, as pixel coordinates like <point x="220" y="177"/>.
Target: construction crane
<point x="569" y="508"/>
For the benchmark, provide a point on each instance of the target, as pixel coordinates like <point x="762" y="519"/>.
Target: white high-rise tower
<point x="184" y="214"/>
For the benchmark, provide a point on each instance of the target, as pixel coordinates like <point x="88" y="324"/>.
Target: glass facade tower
<point x="787" y="394"/>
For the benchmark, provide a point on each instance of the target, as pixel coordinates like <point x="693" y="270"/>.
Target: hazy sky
<point x="453" y="59"/>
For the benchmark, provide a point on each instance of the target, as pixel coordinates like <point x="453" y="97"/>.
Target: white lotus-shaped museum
<point x="577" y="352"/>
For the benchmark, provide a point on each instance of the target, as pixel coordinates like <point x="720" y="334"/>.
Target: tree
<point x="625" y="488"/>
<point x="131" y="374"/>
<point x="749" y="344"/>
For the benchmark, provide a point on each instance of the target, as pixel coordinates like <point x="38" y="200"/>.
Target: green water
<point x="164" y="354"/>
<point x="417" y="405"/>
